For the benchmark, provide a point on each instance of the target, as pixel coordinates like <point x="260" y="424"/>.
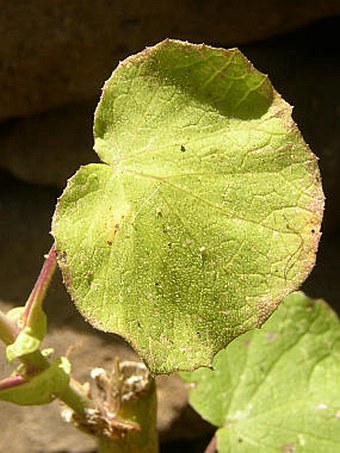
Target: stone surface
<point x="24" y="225"/>
<point x="58" y="52"/>
<point x="48" y="148"/>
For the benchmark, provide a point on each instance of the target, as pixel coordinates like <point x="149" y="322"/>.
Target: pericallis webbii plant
<point x="203" y="216"/>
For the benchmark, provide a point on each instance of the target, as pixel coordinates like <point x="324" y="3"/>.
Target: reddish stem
<point x="41" y="285"/>
<point x="12" y="381"/>
<point x="212" y="447"/>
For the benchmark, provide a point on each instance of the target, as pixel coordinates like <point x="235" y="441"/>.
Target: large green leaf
<point x="205" y="214"/>
<point x="277" y="389"/>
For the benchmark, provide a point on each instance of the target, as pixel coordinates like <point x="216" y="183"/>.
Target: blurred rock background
<point x="54" y="58"/>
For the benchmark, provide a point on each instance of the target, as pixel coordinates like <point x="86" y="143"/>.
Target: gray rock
<point x="54" y="53"/>
<point x="48" y="148"/>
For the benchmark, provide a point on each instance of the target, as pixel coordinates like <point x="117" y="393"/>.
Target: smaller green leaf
<point x="276" y="389"/>
<point x="30" y="337"/>
<point x="43" y="388"/>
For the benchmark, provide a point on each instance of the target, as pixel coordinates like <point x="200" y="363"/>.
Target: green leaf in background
<point x="205" y="213"/>
<point x="42" y="388"/>
<point x="276" y="389"/>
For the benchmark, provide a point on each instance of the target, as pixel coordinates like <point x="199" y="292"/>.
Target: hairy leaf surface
<point x="203" y="215"/>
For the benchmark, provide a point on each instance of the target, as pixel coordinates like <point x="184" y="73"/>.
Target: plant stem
<point x="72" y="396"/>
<point x="35" y="362"/>
<point x="9" y="329"/>
<point x="212" y="447"/>
<point x="76" y="399"/>
<point x="38" y="293"/>
<point x="11" y="382"/>
<point x="137" y="409"/>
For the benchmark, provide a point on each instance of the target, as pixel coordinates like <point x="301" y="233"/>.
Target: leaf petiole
<point x="38" y="293"/>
